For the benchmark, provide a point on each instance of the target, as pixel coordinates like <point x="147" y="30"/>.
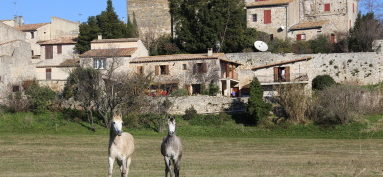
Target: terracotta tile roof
<point x="115" y="40"/>
<point x="61" y="40"/>
<point x="180" y="57"/>
<point x="268" y="3"/>
<point x="308" y="25"/>
<point x="282" y="63"/>
<point x="30" y="27"/>
<point x="70" y="63"/>
<point x="8" y="42"/>
<point x="117" y="52"/>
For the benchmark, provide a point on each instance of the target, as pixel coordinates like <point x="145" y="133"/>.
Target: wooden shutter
<point x="157" y="70"/>
<point x="48" y="74"/>
<point x="48" y="52"/>
<point x="276" y="74"/>
<point x="299" y="37"/>
<point x="327" y="7"/>
<point x="267" y="16"/>
<point x="204" y="67"/>
<point x="332" y="38"/>
<point x="167" y="71"/>
<point x="287" y="74"/>
<point x="59" y="49"/>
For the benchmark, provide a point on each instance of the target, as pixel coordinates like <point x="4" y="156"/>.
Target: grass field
<point x="86" y="155"/>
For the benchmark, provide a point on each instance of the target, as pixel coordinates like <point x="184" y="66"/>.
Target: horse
<point x="171" y="149"/>
<point x="121" y="147"/>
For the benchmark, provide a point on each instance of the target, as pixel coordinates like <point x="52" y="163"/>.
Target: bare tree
<point x="373" y="6"/>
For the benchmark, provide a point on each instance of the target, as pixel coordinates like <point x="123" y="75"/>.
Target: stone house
<point x="55" y="29"/>
<point x="120" y="51"/>
<point x="15" y="60"/>
<point x="190" y="71"/>
<point x="295" y="71"/>
<point x="57" y="60"/>
<point x="302" y="19"/>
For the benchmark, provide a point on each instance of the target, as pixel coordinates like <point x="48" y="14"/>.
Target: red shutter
<point x="333" y="39"/>
<point x="48" y="52"/>
<point x="327" y="7"/>
<point x="267" y="16"/>
<point x="299" y="37"/>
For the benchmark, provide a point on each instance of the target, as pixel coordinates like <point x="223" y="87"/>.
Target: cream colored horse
<point x="171" y="149"/>
<point x="121" y="147"/>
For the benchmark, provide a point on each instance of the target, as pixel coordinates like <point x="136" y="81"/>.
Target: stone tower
<point x="152" y="16"/>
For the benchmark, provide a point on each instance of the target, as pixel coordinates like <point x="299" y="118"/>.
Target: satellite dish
<point x="261" y="46"/>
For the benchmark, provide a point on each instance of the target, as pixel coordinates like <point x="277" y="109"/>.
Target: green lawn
<point x="86" y="155"/>
<point x="54" y="145"/>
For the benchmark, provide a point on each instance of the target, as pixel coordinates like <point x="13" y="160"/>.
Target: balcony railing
<point x="298" y="77"/>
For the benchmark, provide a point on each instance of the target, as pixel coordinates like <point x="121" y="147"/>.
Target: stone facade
<point x="152" y="16"/>
<point x="290" y="18"/>
<point x="15" y="60"/>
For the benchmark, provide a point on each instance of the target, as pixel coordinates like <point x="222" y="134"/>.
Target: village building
<point x="15" y="61"/>
<point x="302" y="19"/>
<point x="117" y="52"/>
<point x="57" y="28"/>
<point x="271" y="76"/>
<point x="193" y="72"/>
<point x="56" y="63"/>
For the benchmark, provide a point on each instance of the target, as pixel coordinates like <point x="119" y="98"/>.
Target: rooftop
<point x="268" y="3"/>
<point x="282" y="63"/>
<point x="61" y="40"/>
<point x="30" y="27"/>
<point x="181" y="57"/>
<point x="117" y="52"/>
<point x="309" y="25"/>
<point x="115" y="40"/>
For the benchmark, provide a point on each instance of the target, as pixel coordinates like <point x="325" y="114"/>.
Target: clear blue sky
<point x="40" y="11"/>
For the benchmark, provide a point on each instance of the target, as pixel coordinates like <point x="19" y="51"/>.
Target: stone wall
<point x="363" y="68"/>
<point x="152" y="16"/>
<point x="207" y="104"/>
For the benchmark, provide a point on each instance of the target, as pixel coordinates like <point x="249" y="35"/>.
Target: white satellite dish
<point x="261" y="46"/>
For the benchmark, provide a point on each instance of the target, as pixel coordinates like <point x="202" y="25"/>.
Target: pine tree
<point x="257" y="108"/>
<point x="107" y="24"/>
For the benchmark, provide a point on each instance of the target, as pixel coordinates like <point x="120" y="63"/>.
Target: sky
<point x="40" y="11"/>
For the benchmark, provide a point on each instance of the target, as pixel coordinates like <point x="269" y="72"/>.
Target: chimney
<point x="99" y="37"/>
<point x="209" y="52"/>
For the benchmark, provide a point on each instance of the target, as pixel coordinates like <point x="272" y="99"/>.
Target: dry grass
<point x="41" y="155"/>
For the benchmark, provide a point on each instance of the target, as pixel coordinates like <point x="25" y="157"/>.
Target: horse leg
<point x="167" y="167"/>
<point x="123" y="167"/>
<point x="128" y="161"/>
<point x="111" y="162"/>
<point x="177" y="167"/>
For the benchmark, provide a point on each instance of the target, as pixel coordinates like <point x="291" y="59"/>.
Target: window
<point x="184" y="67"/>
<point x="271" y="37"/>
<point x="32" y="35"/>
<point x="33" y="53"/>
<point x="140" y="70"/>
<point x="281" y="74"/>
<point x="254" y="17"/>
<point x="48" y="74"/>
<point x="164" y="69"/>
<point x="327" y="7"/>
<point x="59" y="49"/>
<point x="301" y="37"/>
<point x="267" y="16"/>
<point x="99" y="63"/>
<point x="15" y="88"/>
<point x="200" y="68"/>
<point x="333" y="38"/>
<point x="48" y="52"/>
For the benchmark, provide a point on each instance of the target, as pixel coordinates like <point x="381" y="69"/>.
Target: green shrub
<point x="301" y="47"/>
<point x="190" y="113"/>
<point x="321" y="45"/>
<point x="16" y="102"/>
<point x="322" y="81"/>
<point x="180" y="92"/>
<point x="257" y="108"/>
<point x="211" y="90"/>
<point x="39" y="97"/>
